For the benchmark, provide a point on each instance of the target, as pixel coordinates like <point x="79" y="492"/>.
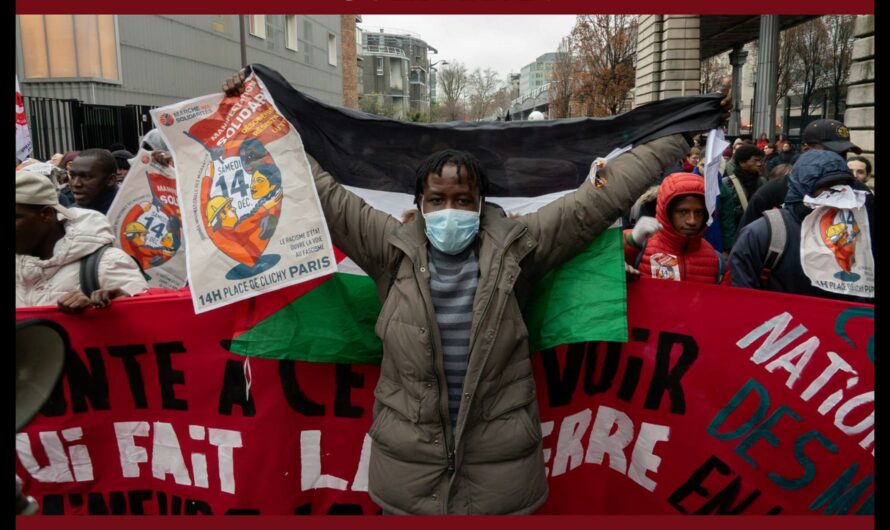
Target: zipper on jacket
<point x="497" y="281"/>
<point x="449" y="452"/>
<point x="683" y="274"/>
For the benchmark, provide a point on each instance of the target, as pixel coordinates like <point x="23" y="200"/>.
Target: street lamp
<point x="443" y="62"/>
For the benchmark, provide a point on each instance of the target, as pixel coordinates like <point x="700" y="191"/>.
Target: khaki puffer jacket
<point x="492" y="462"/>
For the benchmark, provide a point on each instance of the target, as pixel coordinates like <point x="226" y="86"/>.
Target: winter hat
<point x="35" y="189"/>
<point x="816" y="168"/>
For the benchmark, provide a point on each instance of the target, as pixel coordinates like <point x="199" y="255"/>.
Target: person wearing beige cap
<point x="50" y="243"/>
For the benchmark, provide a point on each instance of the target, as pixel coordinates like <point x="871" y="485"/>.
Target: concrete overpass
<point x="670" y="48"/>
<point x="538" y="99"/>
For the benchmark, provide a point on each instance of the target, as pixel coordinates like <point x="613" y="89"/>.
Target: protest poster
<point x="147" y="221"/>
<point x="767" y="409"/>
<point x="23" y="143"/>
<point x="835" y="249"/>
<point x="250" y="226"/>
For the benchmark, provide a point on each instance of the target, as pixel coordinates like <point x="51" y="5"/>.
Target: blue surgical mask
<point x="450" y="230"/>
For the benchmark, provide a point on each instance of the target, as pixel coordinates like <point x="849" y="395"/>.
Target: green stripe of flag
<point x="585" y="299"/>
<point x="333" y="323"/>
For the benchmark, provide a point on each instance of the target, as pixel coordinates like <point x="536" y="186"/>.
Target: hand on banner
<point x="103" y="297"/>
<point x="234" y="86"/>
<point x="73" y="302"/>
<point x="631" y="273"/>
<point x="76" y="301"/>
<point x="645" y="228"/>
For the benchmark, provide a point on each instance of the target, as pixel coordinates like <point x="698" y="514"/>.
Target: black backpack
<point x="89" y="271"/>
<point x="778" y="241"/>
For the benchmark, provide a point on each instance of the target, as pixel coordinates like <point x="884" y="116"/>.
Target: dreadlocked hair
<point x="462" y="159"/>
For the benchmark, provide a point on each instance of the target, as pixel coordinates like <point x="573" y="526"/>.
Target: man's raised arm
<point x="357" y="229"/>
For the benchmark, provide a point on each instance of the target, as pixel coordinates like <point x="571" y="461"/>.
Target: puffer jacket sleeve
<point x="357" y="229"/>
<point x="748" y="253"/>
<point x="569" y="224"/>
<point x="117" y="270"/>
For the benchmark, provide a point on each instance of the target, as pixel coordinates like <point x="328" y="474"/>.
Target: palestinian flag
<point x="529" y="164"/>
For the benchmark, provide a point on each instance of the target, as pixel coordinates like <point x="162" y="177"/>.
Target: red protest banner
<point x="738" y="402"/>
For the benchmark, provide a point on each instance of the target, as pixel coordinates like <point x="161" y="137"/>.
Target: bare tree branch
<point x="562" y="80"/>
<point x="482" y="88"/>
<point x="810" y="46"/>
<point x="453" y="79"/>
<point x="840" y="38"/>
<point x="713" y="71"/>
<point x="605" y="46"/>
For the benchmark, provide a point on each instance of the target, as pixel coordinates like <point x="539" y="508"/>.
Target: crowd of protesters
<point x="60" y="221"/>
<point x="62" y="229"/>
<point x="61" y="224"/>
<point x="670" y="221"/>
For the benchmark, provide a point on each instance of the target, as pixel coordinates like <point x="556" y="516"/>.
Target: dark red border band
<point x="465" y="523"/>
<point x="362" y="7"/>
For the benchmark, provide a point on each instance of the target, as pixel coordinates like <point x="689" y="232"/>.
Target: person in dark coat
<point x="122" y="158"/>
<point x="771" y="158"/>
<point x="748" y="173"/>
<point x="93" y="179"/>
<point x="785" y="154"/>
<point x="830" y="135"/>
<point x="770" y="195"/>
<point x="816" y="170"/>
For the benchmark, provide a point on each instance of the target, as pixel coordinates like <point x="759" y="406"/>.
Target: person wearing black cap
<point x="815" y="172"/>
<point x="122" y="158"/>
<point x="828" y="135"/>
<point x="831" y="135"/>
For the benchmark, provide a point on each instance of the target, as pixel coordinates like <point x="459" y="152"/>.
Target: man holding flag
<point x="456" y="427"/>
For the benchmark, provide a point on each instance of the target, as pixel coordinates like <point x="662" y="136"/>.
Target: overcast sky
<point x="503" y="43"/>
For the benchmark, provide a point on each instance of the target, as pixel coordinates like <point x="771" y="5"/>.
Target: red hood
<point x="673" y="186"/>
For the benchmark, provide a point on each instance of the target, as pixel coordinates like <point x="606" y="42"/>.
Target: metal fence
<point x="61" y="125"/>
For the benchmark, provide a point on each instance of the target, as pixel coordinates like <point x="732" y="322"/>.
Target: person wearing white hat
<point x="51" y="241"/>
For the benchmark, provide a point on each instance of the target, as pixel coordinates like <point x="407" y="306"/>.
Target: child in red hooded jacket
<point x="671" y="246"/>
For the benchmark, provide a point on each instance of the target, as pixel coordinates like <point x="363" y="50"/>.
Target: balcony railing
<point x="383" y="50"/>
<point x="531" y="95"/>
<point x="397" y="32"/>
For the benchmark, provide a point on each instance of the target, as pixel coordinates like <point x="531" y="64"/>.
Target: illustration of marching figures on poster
<point x="147" y="222"/>
<point x="249" y="228"/>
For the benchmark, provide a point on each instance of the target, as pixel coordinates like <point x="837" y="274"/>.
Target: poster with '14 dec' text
<point x="147" y="222"/>
<point x="251" y="215"/>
